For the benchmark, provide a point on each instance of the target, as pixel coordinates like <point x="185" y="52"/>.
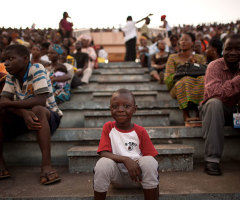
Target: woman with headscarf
<point x="59" y="75"/>
<point x="86" y="48"/>
<point x="188" y="90"/>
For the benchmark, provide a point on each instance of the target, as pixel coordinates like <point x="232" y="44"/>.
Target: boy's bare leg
<point x="3" y="171"/>
<point x="100" y="195"/>
<point x="2" y="164"/>
<point x="44" y="137"/>
<point x="151" y="194"/>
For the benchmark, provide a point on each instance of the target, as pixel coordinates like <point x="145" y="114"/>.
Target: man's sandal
<point x="4" y="173"/>
<point x="49" y="177"/>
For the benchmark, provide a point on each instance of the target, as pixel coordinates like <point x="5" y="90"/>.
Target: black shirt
<point x="81" y="59"/>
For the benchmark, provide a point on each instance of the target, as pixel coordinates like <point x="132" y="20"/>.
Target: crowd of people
<point x="38" y="69"/>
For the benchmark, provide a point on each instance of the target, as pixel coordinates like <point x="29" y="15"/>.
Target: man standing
<point x="145" y="31"/>
<point x="221" y="99"/>
<point x="65" y="26"/>
<point x="130" y="38"/>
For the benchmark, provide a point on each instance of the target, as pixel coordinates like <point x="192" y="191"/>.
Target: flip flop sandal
<point x="5" y="174"/>
<point x="193" y="124"/>
<point x="48" y="178"/>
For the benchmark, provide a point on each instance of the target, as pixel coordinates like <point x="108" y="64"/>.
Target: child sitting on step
<point x="127" y="152"/>
<point x="27" y="103"/>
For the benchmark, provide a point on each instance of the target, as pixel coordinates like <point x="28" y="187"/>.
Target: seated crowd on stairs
<point x="71" y="61"/>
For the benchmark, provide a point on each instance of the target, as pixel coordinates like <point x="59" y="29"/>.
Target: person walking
<point x="130" y="38"/>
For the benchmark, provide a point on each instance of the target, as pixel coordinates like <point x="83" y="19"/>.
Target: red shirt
<point x="66" y="25"/>
<point x="133" y="143"/>
<point x="221" y="83"/>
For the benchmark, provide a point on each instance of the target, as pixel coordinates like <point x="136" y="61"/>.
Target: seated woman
<point x="59" y="75"/>
<point x="36" y="55"/>
<point x="188" y="90"/>
<point x="87" y="48"/>
<point x="158" y="62"/>
<point x="143" y="52"/>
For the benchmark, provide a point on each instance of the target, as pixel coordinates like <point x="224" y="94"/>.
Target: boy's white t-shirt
<point x="133" y="143"/>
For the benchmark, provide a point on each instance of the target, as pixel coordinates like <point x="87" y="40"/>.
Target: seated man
<point x="27" y="103"/>
<point x="82" y="60"/>
<point x="221" y="98"/>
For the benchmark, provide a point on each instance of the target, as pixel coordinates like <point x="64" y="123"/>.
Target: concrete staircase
<point x="74" y="144"/>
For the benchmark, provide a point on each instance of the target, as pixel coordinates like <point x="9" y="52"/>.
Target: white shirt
<point x="103" y="54"/>
<point x="45" y="58"/>
<point x="129" y="30"/>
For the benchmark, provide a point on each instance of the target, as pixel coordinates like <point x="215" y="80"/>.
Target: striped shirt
<point x="221" y="83"/>
<point x="35" y="82"/>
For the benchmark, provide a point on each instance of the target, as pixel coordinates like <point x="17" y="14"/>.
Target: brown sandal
<point x="49" y="178"/>
<point x="193" y="124"/>
<point x="4" y="173"/>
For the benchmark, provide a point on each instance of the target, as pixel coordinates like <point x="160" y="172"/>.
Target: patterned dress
<point x="61" y="91"/>
<point x="187" y="89"/>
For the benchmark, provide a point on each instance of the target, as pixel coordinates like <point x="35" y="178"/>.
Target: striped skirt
<point x="189" y="89"/>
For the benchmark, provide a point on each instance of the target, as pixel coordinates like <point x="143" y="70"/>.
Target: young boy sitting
<point x="27" y="103"/>
<point x="127" y="152"/>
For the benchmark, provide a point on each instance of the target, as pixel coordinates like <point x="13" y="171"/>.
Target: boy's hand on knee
<point x="133" y="169"/>
<point x="31" y="120"/>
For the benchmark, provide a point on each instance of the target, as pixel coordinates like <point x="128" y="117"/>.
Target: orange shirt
<point x="2" y="68"/>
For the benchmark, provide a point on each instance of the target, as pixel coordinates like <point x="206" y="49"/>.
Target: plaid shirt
<point x="221" y="83"/>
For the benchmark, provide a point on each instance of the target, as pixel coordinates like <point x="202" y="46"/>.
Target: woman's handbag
<point x="189" y="69"/>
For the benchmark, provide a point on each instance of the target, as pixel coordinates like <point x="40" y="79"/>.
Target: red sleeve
<point x="145" y="143"/>
<point x="105" y="142"/>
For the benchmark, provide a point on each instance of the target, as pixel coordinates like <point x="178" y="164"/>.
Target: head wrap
<point x="57" y="48"/>
<point x="163" y="17"/>
<point x="85" y="37"/>
<point x="143" y="38"/>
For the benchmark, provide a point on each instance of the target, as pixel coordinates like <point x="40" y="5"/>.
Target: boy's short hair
<point x="19" y="49"/>
<point x="129" y="18"/>
<point x="125" y="91"/>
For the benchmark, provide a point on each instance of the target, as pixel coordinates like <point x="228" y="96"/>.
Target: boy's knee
<point x="103" y="173"/>
<point x="41" y="111"/>
<point x="149" y="167"/>
<point x="148" y="163"/>
<point x="104" y="166"/>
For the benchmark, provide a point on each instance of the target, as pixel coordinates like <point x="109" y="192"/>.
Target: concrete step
<point x="148" y="96"/>
<point x="25" y="150"/>
<point x="122" y="71"/>
<point x="172" y="157"/>
<point x="195" y="184"/>
<point x="95" y="87"/>
<point x="101" y="79"/>
<point x="145" y="118"/>
<point x="104" y="105"/>
<point x="122" y="65"/>
<point x="75" y="112"/>
<point x="77" y="118"/>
